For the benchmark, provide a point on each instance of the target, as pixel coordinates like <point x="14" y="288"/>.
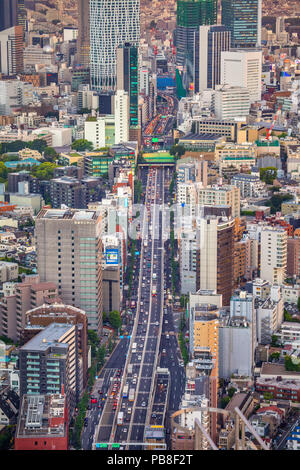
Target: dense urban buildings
<point x="149" y="225"/>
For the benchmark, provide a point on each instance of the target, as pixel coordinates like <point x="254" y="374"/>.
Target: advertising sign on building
<point x="112" y="256"/>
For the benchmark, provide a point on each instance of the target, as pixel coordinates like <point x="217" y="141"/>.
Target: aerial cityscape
<point x="149" y="227"/>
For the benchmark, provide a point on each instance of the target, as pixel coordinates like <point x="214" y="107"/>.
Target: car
<point x="143" y="403"/>
<point x="89" y="407"/>
<point x="86" y="422"/>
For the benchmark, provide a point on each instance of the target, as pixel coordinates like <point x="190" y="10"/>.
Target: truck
<point x="131" y="394"/>
<point x="145" y="243"/>
<point x="153" y="291"/>
<point x="120" y="418"/>
<point x="125" y="391"/>
<point x="129" y="368"/>
<point x="134" y="347"/>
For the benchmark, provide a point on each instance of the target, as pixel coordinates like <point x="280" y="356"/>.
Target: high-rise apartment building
<point x="69" y="253"/>
<point x="216" y="255"/>
<point x="112" y="24"/>
<point x="20" y="297"/>
<point x="220" y="196"/>
<point x="38" y="318"/>
<point x="128" y="80"/>
<point x="121" y="116"/>
<point x="243" y="68"/>
<point x="49" y="361"/>
<point x="273" y="254"/>
<point x="13" y="95"/>
<point x="83" y="39"/>
<point x="11" y="50"/>
<point x="243" y="18"/>
<point x="204" y="346"/>
<point x="209" y="41"/>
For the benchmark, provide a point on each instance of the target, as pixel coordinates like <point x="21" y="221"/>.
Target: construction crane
<point x="269" y="131"/>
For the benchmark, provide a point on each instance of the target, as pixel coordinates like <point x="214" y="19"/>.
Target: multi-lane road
<point x="132" y="391"/>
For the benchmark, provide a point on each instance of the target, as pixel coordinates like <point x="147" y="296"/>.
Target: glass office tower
<point x="112" y="24"/>
<point x="190" y="15"/>
<point x="243" y="19"/>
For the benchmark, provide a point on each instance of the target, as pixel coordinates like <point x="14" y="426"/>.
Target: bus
<point x="120" y="417"/>
<point x="125" y="391"/>
<point x="131" y="394"/>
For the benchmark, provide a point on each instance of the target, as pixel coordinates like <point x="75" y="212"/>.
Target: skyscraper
<point x="69" y="250"/>
<point x="243" y="19"/>
<point x="112" y="24"/>
<point x="216" y="256"/>
<point x="190" y="15"/>
<point x="209" y="42"/>
<point x="8" y="14"/>
<point x="128" y="80"/>
<point x="83" y="41"/>
<point x="11" y="50"/>
<point x="242" y="68"/>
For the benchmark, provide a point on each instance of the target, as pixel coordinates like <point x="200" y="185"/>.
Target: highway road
<point x="137" y="388"/>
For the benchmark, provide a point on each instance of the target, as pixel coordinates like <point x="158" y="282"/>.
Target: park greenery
<point x="290" y="365"/>
<point x="138" y="190"/>
<point x="115" y="319"/>
<point x="268" y="174"/>
<point x="276" y="200"/>
<point x="177" y="151"/>
<point x="81" y="145"/>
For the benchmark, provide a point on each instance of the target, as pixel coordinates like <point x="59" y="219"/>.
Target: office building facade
<point x="83" y="38"/>
<point x="69" y="253"/>
<point x="243" y="68"/>
<point x="8" y="14"/>
<point x="128" y="79"/>
<point x="243" y="18"/>
<point x="216" y="255"/>
<point x="190" y="15"/>
<point x="112" y="24"/>
<point x="209" y="41"/>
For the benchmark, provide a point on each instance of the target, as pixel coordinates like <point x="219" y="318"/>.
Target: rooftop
<point x="67" y="214"/>
<point x="50" y="336"/>
<point x="37" y="413"/>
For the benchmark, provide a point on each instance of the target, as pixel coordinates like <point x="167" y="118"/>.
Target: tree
<point x="50" y="154"/>
<point x="38" y="144"/>
<point x="298" y="304"/>
<point x="276" y="201"/>
<point x="274" y="341"/>
<point x="3" y="172"/>
<point x="268" y="174"/>
<point x="177" y="150"/>
<point x="231" y="392"/>
<point x="224" y="402"/>
<point x="44" y="171"/>
<point x="81" y="145"/>
<point x="115" y="319"/>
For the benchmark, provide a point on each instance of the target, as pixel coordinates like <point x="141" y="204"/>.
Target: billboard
<point x="112" y="256"/>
